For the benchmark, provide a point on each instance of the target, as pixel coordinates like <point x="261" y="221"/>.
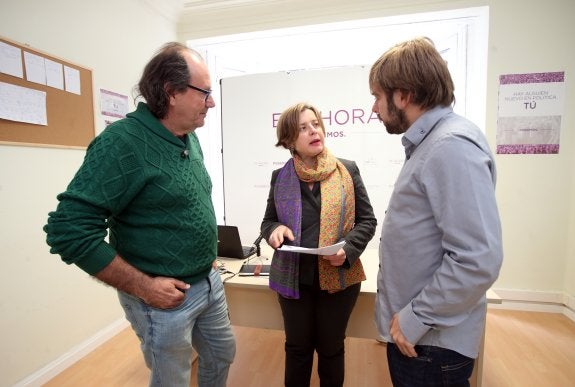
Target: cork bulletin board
<point x="70" y="116"/>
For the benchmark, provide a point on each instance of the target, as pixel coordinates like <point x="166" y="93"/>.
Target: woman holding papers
<point x="315" y="200"/>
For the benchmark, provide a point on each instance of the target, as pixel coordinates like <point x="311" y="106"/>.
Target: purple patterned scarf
<point x="284" y="273"/>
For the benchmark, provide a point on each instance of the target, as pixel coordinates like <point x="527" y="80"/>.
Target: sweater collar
<point x="145" y="116"/>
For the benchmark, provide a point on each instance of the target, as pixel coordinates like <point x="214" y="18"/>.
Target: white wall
<point x="535" y="192"/>
<point x="47" y="307"/>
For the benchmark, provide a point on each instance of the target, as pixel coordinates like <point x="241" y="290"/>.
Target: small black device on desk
<point x="254" y="269"/>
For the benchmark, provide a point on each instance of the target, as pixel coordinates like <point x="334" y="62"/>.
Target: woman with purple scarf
<point x="315" y="200"/>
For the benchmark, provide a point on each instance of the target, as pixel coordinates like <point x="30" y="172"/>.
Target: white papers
<point x="327" y="250"/>
<point x="22" y="104"/>
<point x="35" y="68"/>
<point x="11" y="60"/>
<point x="54" y="75"/>
<point x="72" y="80"/>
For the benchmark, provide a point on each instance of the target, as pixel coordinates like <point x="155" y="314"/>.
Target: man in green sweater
<point x="143" y="179"/>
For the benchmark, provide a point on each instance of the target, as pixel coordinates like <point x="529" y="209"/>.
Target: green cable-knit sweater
<point x="156" y="201"/>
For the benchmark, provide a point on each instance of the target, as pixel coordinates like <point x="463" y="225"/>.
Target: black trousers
<point x="316" y="322"/>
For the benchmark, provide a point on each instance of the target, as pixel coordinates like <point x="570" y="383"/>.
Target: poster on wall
<point x="251" y="106"/>
<point x="113" y="104"/>
<point x="530" y="111"/>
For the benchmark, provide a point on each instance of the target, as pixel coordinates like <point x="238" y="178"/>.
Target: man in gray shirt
<point x="441" y="244"/>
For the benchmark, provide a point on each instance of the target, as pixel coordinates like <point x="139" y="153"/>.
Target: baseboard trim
<point x="536" y="301"/>
<point x="52" y="369"/>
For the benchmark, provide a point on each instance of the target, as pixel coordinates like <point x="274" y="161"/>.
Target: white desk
<point x="252" y="303"/>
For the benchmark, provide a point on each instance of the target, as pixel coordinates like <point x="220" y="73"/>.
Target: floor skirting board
<point x="53" y="368"/>
<point x="536" y="301"/>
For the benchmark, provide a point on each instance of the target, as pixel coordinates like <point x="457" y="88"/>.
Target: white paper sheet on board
<point x="11" y="60"/>
<point x="22" y="104"/>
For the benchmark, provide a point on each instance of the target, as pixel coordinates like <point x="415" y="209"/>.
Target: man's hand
<point x="164" y="292"/>
<point x="159" y="292"/>
<point x="399" y="339"/>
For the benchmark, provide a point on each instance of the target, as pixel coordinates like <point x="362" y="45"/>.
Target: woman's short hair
<point x="288" y="124"/>
<point x="414" y="66"/>
<point x="165" y="74"/>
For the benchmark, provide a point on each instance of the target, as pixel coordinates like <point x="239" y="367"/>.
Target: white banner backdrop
<point x="251" y="106"/>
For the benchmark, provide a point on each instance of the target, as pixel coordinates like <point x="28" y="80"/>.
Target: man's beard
<point x="397" y="122"/>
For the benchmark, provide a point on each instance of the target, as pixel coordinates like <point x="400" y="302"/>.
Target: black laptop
<point x="230" y="244"/>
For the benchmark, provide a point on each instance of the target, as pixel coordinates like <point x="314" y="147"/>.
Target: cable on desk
<point x="223" y="271"/>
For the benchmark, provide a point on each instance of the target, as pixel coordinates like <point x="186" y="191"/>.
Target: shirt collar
<point x="417" y="132"/>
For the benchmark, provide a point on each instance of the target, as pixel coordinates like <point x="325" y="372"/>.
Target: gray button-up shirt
<point x="441" y="247"/>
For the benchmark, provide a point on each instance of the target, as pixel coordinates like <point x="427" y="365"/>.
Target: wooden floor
<point x="521" y="349"/>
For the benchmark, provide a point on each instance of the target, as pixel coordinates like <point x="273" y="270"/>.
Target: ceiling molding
<point x="210" y="5"/>
<point x="170" y="9"/>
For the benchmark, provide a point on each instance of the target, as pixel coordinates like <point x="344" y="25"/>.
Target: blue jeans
<point x="167" y="335"/>
<point x="433" y="367"/>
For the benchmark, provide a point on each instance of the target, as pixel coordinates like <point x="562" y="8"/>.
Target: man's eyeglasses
<point x="207" y="93"/>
